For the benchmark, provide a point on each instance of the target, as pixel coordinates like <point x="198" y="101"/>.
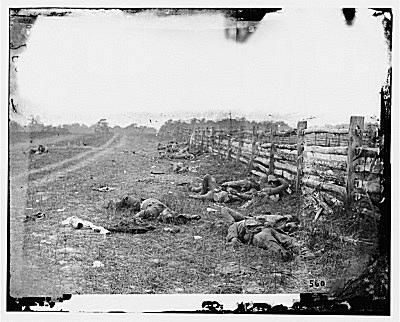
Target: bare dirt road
<point x="22" y="182"/>
<point x="25" y="143"/>
<point x="70" y="164"/>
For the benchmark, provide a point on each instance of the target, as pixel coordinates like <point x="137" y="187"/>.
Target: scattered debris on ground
<point x="210" y="258"/>
<point x="97" y="264"/>
<point x="172" y="230"/>
<point x="103" y="189"/>
<point x="130" y="227"/>
<point x="38" y="215"/>
<point x="157" y="172"/>
<point x="179" y="167"/>
<point x="127" y="151"/>
<point x="79" y="223"/>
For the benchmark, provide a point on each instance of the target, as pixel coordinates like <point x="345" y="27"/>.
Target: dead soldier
<point x="228" y="192"/>
<point x="239" y="190"/>
<point x="153" y="209"/>
<point x="39" y="150"/>
<point x="126" y="203"/>
<point x="253" y="232"/>
<point x="273" y="186"/>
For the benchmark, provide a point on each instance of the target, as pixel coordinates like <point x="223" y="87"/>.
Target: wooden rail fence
<point x="343" y="163"/>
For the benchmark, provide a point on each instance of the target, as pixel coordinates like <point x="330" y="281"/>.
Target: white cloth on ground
<point x="79" y="223"/>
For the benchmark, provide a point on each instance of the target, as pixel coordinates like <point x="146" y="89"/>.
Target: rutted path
<point x="84" y="158"/>
<point x="23" y="146"/>
<point x="107" y="148"/>
<point x="19" y="186"/>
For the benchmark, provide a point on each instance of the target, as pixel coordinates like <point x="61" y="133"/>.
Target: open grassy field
<point x="47" y="258"/>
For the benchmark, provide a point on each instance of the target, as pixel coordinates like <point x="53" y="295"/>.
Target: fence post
<point x="191" y="141"/>
<point x="212" y="140"/>
<point x="219" y="144"/>
<point x="186" y="136"/>
<point x="272" y="149"/>
<point x="239" y="151"/>
<point x="253" y="147"/>
<point x="301" y="126"/>
<point x="228" y="153"/>
<point x="206" y="137"/>
<point x="355" y="140"/>
<point x="198" y="138"/>
<point x="195" y="138"/>
<point x="202" y="141"/>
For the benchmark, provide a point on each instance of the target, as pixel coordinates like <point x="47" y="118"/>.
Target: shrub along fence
<point x="341" y="163"/>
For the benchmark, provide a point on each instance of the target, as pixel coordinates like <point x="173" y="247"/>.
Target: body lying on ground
<point x="39" y="150"/>
<point x="171" y="146"/>
<point x="272" y="188"/>
<point x="181" y="154"/>
<point x="283" y="223"/>
<point x="253" y="232"/>
<point x="153" y="209"/>
<point x="173" y="151"/>
<point x="239" y="190"/>
<point x="141" y="210"/>
<point x="272" y="185"/>
<point x="126" y="203"/>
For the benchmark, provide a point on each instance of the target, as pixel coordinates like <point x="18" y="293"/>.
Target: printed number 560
<point x="317" y="283"/>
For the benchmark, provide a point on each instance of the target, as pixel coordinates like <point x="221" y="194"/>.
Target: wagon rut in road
<point x="83" y="159"/>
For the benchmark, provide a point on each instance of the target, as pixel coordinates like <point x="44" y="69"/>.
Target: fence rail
<point x="343" y="163"/>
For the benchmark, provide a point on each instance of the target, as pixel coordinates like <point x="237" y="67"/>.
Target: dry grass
<point x="59" y="259"/>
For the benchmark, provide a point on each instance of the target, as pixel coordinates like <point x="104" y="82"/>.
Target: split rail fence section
<point x="343" y="163"/>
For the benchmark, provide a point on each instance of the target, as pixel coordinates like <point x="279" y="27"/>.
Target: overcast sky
<point x="299" y="63"/>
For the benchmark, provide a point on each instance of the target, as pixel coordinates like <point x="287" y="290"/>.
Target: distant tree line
<point x="36" y="126"/>
<point x="173" y="129"/>
<point x="134" y="129"/>
<point x="102" y="126"/>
